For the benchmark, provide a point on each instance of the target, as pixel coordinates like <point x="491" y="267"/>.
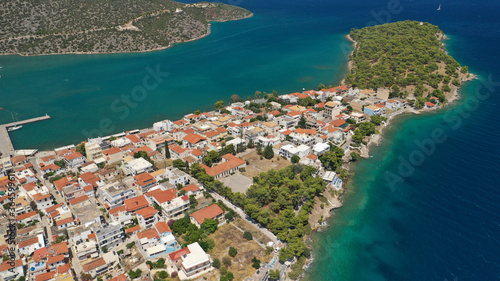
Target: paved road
<point x="52" y="188"/>
<point x="243" y="215"/>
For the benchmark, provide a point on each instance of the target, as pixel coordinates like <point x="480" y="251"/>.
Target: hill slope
<point x="104" y="26"/>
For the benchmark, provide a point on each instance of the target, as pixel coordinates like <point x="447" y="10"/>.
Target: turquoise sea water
<point x="441" y="223"/>
<point x="80" y="91"/>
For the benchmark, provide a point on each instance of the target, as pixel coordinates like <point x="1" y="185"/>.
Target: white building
<point x="191" y="260"/>
<point x="165" y="125"/>
<point x="137" y="166"/>
<point x="110" y="235"/>
<point x="9" y="272"/>
<point x="288" y="151"/>
<point x="113" y="194"/>
<point x="74" y="160"/>
<point x="393" y="104"/>
<point x="320" y="148"/>
<point x="93" y="149"/>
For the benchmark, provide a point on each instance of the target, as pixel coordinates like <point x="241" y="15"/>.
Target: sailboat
<point x="16" y="127"/>
<point x="439" y="8"/>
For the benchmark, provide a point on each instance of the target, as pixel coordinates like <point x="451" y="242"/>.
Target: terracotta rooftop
<point x="190" y="187"/>
<point x="26" y="215"/>
<point x="78" y="200"/>
<point x="73" y="156"/>
<point x="178" y="254"/>
<point x="136" y="203"/>
<point x="93" y="265"/>
<point x="232" y="163"/>
<point x="149" y="234"/>
<point x="209" y="212"/>
<point x="162" y="227"/>
<point x="147" y="212"/>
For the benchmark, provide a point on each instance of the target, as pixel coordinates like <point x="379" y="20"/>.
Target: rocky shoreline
<point x="376" y="139"/>
<point x="151" y="32"/>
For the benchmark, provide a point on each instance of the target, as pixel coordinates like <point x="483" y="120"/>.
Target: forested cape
<point x="404" y="56"/>
<point x="33" y="27"/>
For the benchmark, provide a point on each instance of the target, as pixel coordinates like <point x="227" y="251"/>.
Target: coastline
<point x="209" y="26"/>
<point x="376" y="139"/>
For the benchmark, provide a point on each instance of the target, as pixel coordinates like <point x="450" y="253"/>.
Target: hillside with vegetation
<point x="408" y="57"/>
<point x="105" y="26"/>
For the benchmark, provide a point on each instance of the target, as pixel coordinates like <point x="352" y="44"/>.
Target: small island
<point x="100" y="26"/>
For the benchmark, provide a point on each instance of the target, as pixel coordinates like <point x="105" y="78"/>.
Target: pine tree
<point x="302" y="123"/>
<point x="268" y="152"/>
<point x="167" y="151"/>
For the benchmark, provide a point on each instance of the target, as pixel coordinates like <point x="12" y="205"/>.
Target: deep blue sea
<point x="424" y="207"/>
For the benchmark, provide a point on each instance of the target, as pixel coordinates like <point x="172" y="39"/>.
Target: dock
<point x="6" y="146"/>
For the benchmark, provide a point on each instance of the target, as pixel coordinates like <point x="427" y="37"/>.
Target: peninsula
<point x="100" y="26"/>
<point x="226" y="194"/>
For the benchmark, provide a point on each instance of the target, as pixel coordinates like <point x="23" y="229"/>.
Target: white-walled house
<point x="73" y="160"/>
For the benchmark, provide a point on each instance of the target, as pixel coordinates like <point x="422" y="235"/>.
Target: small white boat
<point x="15" y="128"/>
<point x="439" y="8"/>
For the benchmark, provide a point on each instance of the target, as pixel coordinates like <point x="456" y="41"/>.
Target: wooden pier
<point x="6" y="146"/>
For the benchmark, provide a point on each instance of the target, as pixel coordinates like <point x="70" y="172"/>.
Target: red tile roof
<point x="118" y="209"/>
<point x="149" y="234"/>
<point x="133" y="229"/>
<point x="54" y="259"/>
<point x="144" y="179"/>
<point x="46" y="276"/>
<point x="39" y="197"/>
<point x="73" y="156"/>
<point x="136" y="203"/>
<point x="162" y="227"/>
<point x="196" y="152"/>
<point x="133" y="138"/>
<point x="211" y="134"/>
<point x="162" y="196"/>
<point x="209" y="212"/>
<point x="337" y="123"/>
<point x="190" y="187"/>
<point x="29" y="186"/>
<point x="147" y="212"/>
<point x="50" y="167"/>
<point x="93" y="265"/>
<point x="26" y="215"/>
<point x="121" y="277"/>
<point x="306" y="131"/>
<point x="53" y="208"/>
<point x="64" y="221"/>
<point x="40" y="254"/>
<point x="58" y="248"/>
<point x="232" y="163"/>
<point x="194" y="138"/>
<point x="112" y="151"/>
<point x="63" y="268"/>
<point x="28" y="242"/>
<point x="221" y="130"/>
<point x="63" y="182"/>
<point x="17" y="159"/>
<point x="178" y="254"/>
<point x="78" y="200"/>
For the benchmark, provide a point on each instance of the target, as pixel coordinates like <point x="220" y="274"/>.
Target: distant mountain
<point x="36" y="27"/>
